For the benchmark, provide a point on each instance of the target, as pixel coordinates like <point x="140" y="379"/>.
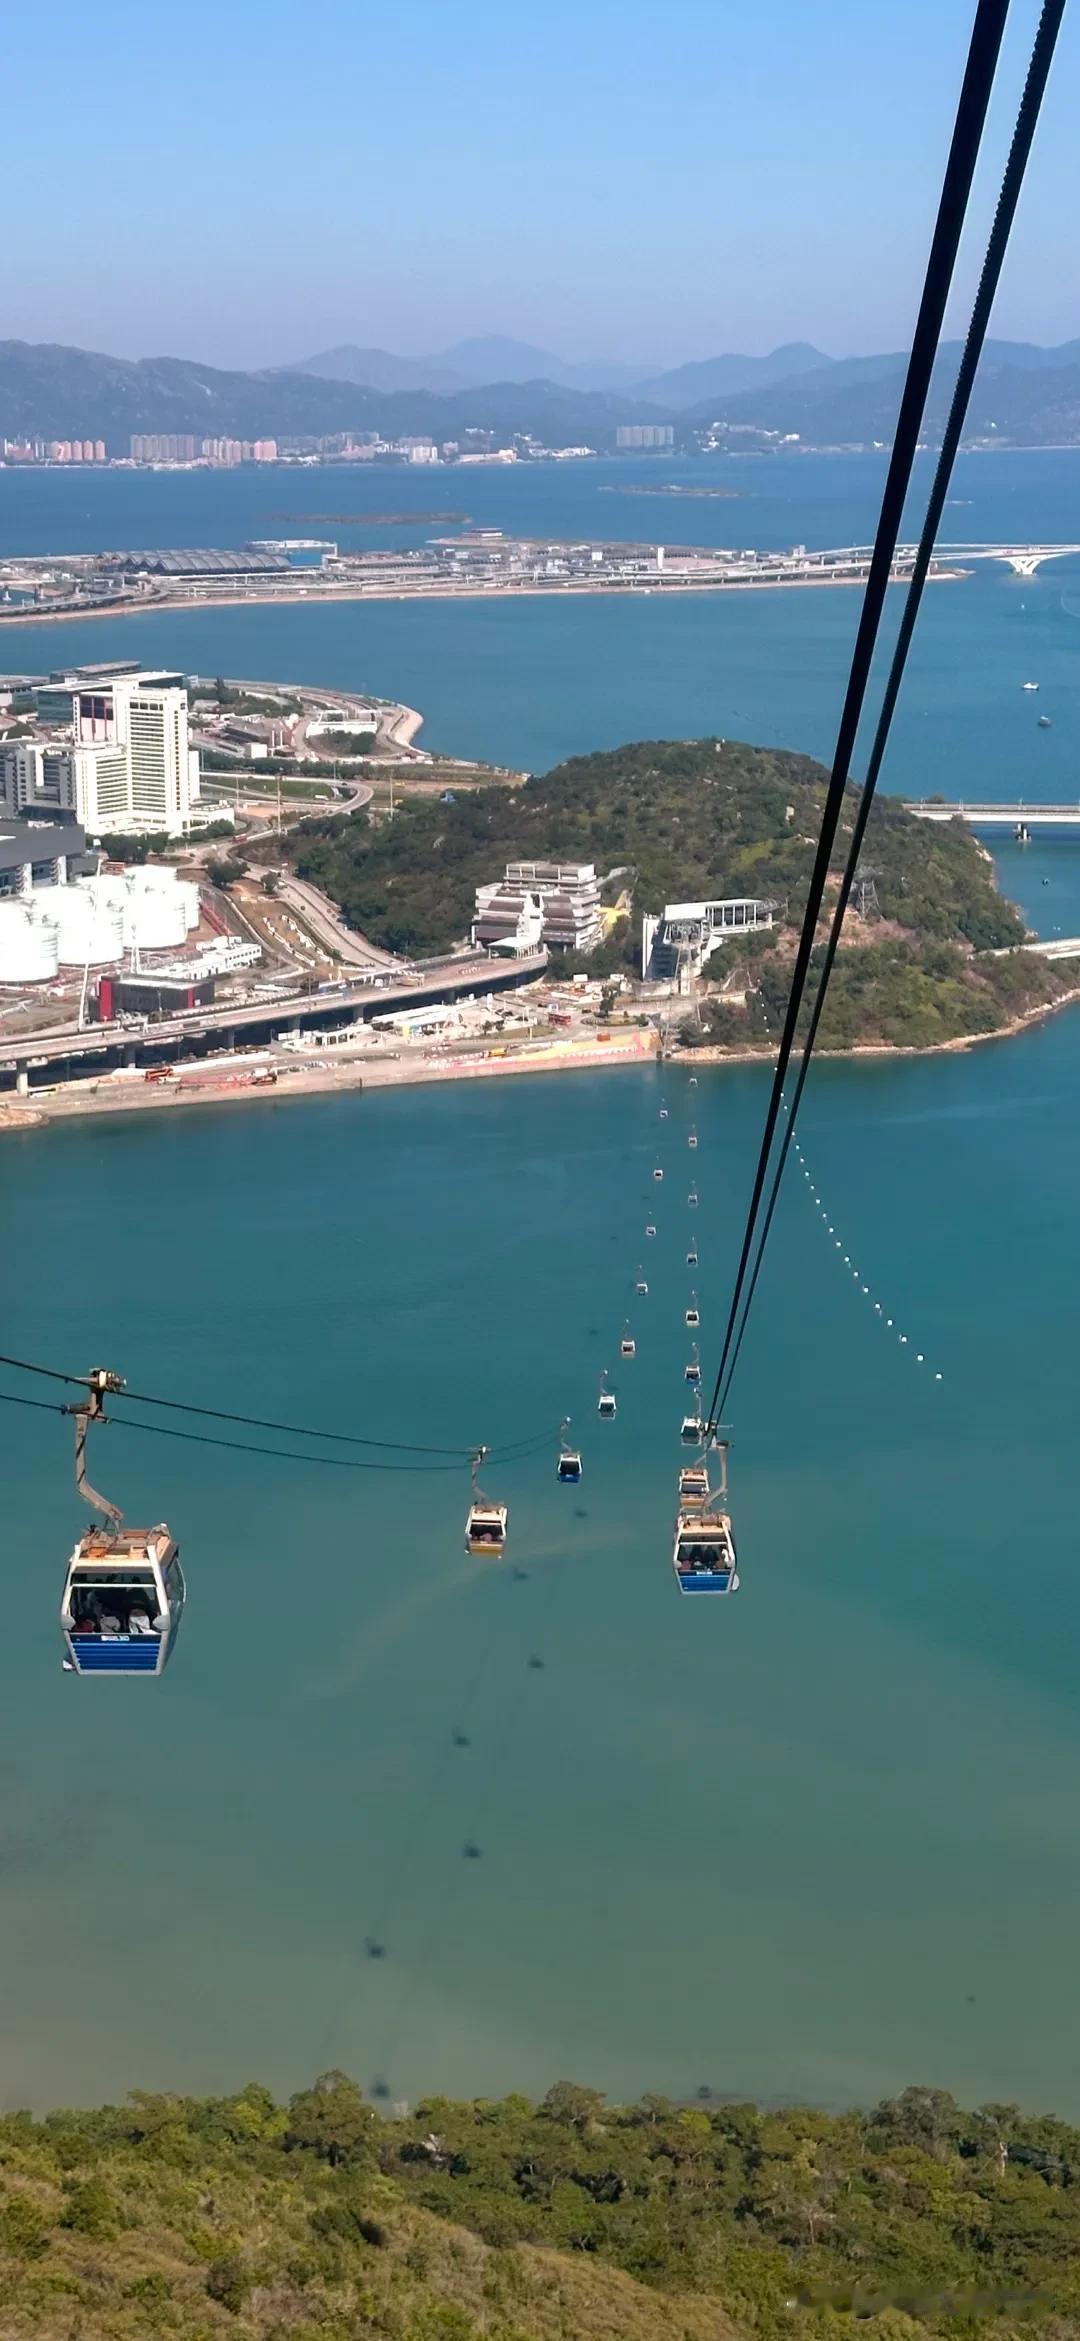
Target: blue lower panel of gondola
<point x="139" y="1656"/>
<point x="705" y="1581"/>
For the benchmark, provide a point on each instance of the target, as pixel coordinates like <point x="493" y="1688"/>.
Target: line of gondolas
<point x="703" y="1551"/>
<point x="124" y="1588"/>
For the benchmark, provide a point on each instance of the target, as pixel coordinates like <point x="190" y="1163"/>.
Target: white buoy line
<point x="878" y="1307"/>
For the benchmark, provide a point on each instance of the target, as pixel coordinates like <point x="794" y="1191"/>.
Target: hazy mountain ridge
<point x="726" y="376"/>
<point x="1024" y="396"/>
<point x="1021" y="395"/>
<point x="467" y="365"/>
<point x="50" y="391"/>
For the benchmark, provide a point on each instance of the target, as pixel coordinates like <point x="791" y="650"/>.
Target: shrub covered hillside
<point x="674" y="820"/>
<point x="319" y="2221"/>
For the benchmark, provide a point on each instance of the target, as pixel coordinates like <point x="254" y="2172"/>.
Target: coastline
<point x="587" y="590"/>
<point x="336" y="1077"/>
<point x="867" y="1051"/>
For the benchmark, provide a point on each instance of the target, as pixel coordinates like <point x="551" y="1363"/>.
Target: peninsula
<point x="430" y="922"/>
<point x="932" y="953"/>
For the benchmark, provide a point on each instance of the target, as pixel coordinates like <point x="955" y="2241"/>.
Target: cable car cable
<point x="256" y="1422"/>
<point x="247" y="1447"/>
<point x="1034" y="91"/>
<point x="964" y="148"/>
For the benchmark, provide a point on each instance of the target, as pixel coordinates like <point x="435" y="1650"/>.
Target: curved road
<point x="329" y="928"/>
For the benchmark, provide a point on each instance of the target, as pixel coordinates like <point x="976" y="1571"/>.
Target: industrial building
<point x="36" y="853"/>
<point x="676" y="943"/>
<point x="58" y="910"/>
<point x="552" y="903"/>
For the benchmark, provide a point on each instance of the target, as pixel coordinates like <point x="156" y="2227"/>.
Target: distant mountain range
<point x="467" y="365"/>
<point x="52" y="392"/>
<point x="1024" y="395"/>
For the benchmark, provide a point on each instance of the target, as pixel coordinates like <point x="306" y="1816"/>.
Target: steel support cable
<point x="292" y="1430"/>
<point x="158" y="1430"/>
<point x="971" y="111"/>
<point x="1038" y="74"/>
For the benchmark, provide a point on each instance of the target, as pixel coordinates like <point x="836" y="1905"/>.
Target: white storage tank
<point x="154" y="916"/>
<point x="90" y="926"/>
<point x="28" y="945"/>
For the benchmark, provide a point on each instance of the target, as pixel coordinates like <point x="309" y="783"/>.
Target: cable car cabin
<point x="704" y="1552"/>
<point x="485" y="1528"/>
<point x="693" y="1429"/>
<point x="693" y="1080"/>
<point x="691" y="1259"/>
<point x="692" y="1371"/>
<point x="693" y="1486"/>
<point x="123" y="1601"/>
<point x="569" y="1466"/>
<point x="651" y="1228"/>
<point x="641" y="1288"/>
<point x="605" y="1404"/>
<point x="692" y="1198"/>
<point x="693" y="1314"/>
<point x="628" y="1346"/>
<point x="658" y="1173"/>
<point x="663" y="1113"/>
<point x="692" y="1140"/>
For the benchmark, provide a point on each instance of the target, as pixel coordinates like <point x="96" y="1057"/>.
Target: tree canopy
<point x="509" y="2221"/>
<point x="684" y="820"/>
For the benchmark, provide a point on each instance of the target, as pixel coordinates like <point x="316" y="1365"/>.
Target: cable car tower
<point x="124" y="1589"/>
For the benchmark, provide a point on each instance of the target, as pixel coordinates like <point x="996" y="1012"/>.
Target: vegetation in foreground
<point x="677" y="820"/>
<point x="508" y="2221"/>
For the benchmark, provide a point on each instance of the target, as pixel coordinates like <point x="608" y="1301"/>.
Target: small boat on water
<point x="1045" y="723"/>
<point x="1029" y="686"/>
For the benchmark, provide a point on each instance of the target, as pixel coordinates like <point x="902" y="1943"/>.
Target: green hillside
<point x="677" y="820"/>
<point x="319" y="2221"/>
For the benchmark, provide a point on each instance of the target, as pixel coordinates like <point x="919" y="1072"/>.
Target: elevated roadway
<point x="36" y="1060"/>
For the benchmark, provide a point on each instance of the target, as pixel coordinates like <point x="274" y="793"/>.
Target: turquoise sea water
<point x="819" y="1840"/>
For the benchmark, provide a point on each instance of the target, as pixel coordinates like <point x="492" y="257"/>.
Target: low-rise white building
<point x="554" y="903"/>
<point x="677" y="941"/>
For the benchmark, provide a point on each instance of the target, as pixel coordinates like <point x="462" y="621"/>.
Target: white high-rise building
<point x="133" y="763"/>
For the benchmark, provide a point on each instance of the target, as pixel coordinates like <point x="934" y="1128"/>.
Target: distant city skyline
<point x="616" y="184"/>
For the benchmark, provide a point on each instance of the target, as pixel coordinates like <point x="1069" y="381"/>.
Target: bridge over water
<point x="1023" y="559"/>
<point x="978" y="816"/>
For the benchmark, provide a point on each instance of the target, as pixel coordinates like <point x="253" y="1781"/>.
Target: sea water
<point x="817" y="1840"/>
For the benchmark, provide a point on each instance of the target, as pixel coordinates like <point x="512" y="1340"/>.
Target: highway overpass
<point x="37" y="1060"/>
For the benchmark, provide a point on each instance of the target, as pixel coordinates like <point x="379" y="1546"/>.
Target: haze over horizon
<point x="610" y="186"/>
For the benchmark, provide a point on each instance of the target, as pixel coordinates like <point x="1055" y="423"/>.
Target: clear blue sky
<point x="648" y="180"/>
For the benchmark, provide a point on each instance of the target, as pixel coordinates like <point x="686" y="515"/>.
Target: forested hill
<point x="669" y="821"/>
<point x="509" y="2221"/>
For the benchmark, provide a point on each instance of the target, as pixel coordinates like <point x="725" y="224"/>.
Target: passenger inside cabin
<point x="112" y="1611"/>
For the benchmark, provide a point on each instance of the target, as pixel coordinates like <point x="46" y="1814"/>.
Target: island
<point x="668" y="488"/>
<point x="932" y="954"/>
<point x="505" y="2219"/>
